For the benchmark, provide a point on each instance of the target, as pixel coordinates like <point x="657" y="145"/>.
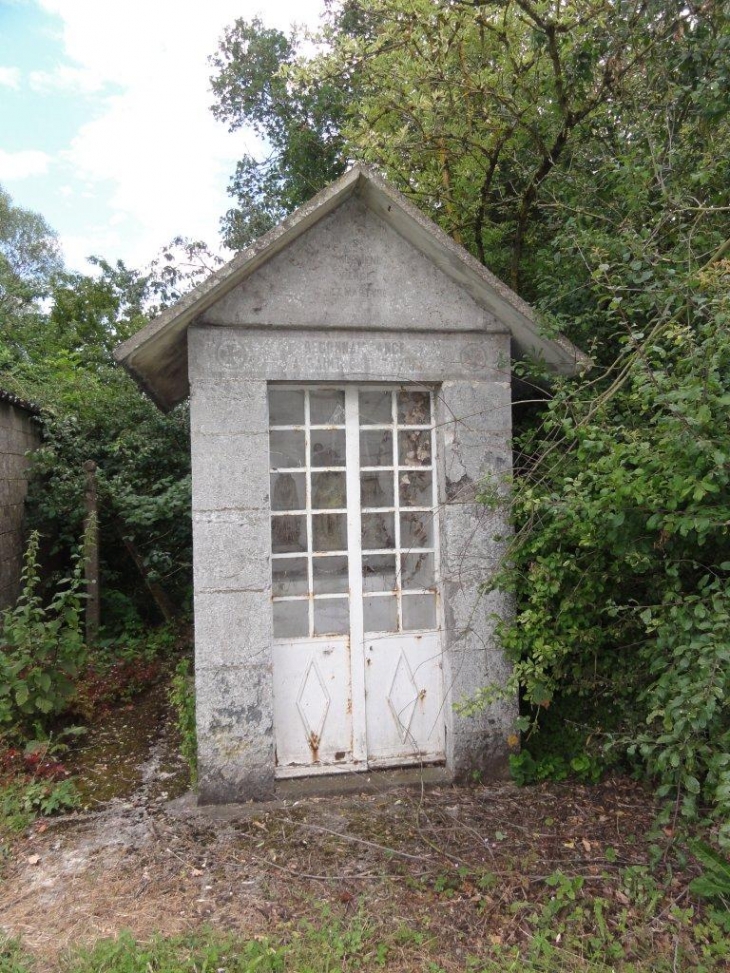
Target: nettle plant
<point x="43" y="648"/>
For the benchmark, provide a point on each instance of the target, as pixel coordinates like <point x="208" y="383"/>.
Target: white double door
<point x="357" y="645"/>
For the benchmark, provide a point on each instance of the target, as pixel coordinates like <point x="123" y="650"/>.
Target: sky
<point x="105" y="121"/>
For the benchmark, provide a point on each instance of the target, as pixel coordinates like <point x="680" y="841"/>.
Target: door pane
<point x="329" y="532"/>
<point x="289" y="576"/>
<point x="376" y="489"/>
<point x="286" y="407"/>
<point x="414" y="447"/>
<point x="330" y="575"/>
<point x="376" y="447"/>
<point x="328" y="447"/>
<point x="419" y="612"/>
<point x="376" y="408"/>
<point x="378" y="572"/>
<point x="329" y="491"/>
<point x="288" y="534"/>
<point x="288" y="491"/>
<point x="417" y="571"/>
<point x="287" y="449"/>
<point x="332" y="616"/>
<point x="380" y="614"/>
<point x="414" y="408"/>
<point x="291" y="619"/>
<point x="327" y="407"/>
<point x="416" y="489"/>
<point x="416" y="530"/>
<point x="378" y="531"/>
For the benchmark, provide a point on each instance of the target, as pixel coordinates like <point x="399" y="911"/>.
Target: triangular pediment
<point x="351" y="270"/>
<point x="358" y="255"/>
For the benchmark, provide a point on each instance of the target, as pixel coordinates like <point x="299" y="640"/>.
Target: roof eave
<point x="160" y="347"/>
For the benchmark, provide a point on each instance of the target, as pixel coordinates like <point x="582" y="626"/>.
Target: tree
<point x="493" y="115"/>
<point x="300" y="128"/>
<point x="29" y="260"/>
<point x="29" y="256"/>
<point x="621" y="559"/>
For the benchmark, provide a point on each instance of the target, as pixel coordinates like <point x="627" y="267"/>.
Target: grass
<point x="572" y="940"/>
<point x="203" y="953"/>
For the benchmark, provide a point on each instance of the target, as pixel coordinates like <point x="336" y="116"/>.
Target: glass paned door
<point x="357" y="652"/>
<point x="401" y="643"/>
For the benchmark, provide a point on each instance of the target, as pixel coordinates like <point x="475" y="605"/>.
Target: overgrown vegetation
<point x="621" y="561"/>
<point x="182" y="699"/>
<point x="581" y="151"/>
<point x="50" y="681"/>
<point x="57" y="333"/>
<point x="43" y="649"/>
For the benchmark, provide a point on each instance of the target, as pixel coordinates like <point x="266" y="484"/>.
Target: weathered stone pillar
<point x="232" y="589"/>
<point x="476" y="425"/>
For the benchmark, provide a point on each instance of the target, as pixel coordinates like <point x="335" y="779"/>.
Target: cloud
<point x="65" y="78"/>
<point x="22" y="164"/>
<point x="9" y="77"/>
<point x="153" y="147"/>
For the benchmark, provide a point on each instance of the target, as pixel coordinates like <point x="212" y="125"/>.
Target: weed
<point x="12" y="957"/>
<point x="21" y="801"/>
<point x="123" y="667"/>
<point x="357" y="943"/>
<point x="182" y="698"/>
<point x="714" y="883"/>
<point x="641" y="888"/>
<point x="527" y="769"/>
<point x="43" y="648"/>
<point x="336" y="943"/>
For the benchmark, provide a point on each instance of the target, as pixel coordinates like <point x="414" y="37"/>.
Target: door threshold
<point x="362" y="781"/>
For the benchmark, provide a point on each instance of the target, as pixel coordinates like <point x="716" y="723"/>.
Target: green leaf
<point x="22" y="694"/>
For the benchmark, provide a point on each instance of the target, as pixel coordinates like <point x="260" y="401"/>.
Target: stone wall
<point x="229" y="371"/>
<point x="19" y="434"/>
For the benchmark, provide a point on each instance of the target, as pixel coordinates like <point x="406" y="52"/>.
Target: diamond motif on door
<point x="403" y="696"/>
<point x="313" y="703"/>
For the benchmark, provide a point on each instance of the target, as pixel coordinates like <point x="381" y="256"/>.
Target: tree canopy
<point x="300" y="131"/>
<point x="29" y="256"/>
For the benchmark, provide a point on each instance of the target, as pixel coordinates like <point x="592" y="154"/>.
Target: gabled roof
<point x="11" y="399"/>
<point x="157" y="355"/>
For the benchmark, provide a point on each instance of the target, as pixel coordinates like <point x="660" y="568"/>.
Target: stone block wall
<point x="229" y="372"/>
<point x="19" y="435"/>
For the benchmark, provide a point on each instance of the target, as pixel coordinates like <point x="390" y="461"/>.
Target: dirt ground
<point x="464" y="865"/>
